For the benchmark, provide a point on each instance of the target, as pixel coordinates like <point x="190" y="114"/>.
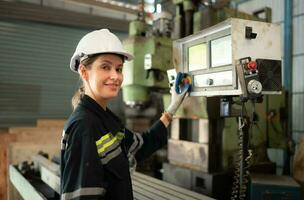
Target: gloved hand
<point x="177" y="99"/>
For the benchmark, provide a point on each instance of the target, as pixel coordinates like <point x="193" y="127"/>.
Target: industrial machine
<point x="231" y="63"/>
<point x="152" y="46"/>
<point x="193" y="16"/>
<point x="203" y="145"/>
<point x="228" y="57"/>
<point x="145" y="78"/>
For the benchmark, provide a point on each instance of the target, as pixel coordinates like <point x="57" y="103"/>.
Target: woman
<point x="96" y="146"/>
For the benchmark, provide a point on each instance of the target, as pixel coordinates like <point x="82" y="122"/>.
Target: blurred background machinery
<point x="211" y="56"/>
<point x="152" y="46"/>
<point x="145" y="77"/>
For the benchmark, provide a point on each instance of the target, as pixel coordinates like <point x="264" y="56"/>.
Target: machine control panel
<point x="212" y="57"/>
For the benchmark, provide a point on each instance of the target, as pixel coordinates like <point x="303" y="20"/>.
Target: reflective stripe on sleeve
<point x="103" y="138"/>
<point x="111" y="155"/>
<point x="109" y="149"/>
<point x="134" y="144"/>
<point x="107" y="143"/>
<point x="64" y="139"/>
<point x="108" y="146"/>
<point x="100" y="145"/>
<point x="103" y="148"/>
<point x="138" y="142"/>
<point x="83" y="192"/>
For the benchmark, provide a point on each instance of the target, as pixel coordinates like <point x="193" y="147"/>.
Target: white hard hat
<point x="95" y="42"/>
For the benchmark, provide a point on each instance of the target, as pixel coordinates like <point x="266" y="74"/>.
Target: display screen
<point x="197" y="57"/>
<point x="221" y="53"/>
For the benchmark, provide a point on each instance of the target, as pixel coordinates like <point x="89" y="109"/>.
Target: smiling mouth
<point x="112" y="84"/>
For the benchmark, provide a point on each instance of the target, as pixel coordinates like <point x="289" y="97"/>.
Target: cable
<point x="241" y="174"/>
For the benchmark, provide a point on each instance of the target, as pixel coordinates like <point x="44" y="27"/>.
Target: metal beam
<point x="25" y="189"/>
<point x="152" y="185"/>
<point x="32" y="12"/>
<point x="107" y="5"/>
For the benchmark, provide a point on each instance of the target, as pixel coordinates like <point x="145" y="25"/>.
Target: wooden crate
<point x="47" y="132"/>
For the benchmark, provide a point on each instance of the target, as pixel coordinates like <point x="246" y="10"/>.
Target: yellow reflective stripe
<point x="119" y="136"/>
<point x="103" y="138"/>
<point x="103" y="148"/>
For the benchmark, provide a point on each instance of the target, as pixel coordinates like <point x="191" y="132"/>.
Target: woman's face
<point x="105" y="77"/>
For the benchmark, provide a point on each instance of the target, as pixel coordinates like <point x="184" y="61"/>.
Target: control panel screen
<point x="197" y="57"/>
<point x="221" y="53"/>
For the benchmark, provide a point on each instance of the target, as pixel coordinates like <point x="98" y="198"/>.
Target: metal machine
<point x="192" y="16"/>
<point x="203" y="145"/>
<point x="145" y="77"/>
<point x="239" y="61"/>
<point x="152" y="46"/>
<point x="223" y="57"/>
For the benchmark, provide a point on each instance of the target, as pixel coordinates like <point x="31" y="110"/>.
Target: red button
<point x="252" y="65"/>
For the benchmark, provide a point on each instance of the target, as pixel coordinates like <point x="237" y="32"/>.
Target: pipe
<point x="288" y="33"/>
<point x="288" y="45"/>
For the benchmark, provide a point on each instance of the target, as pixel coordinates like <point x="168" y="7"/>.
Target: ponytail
<point x="77" y="96"/>
<point x="87" y="63"/>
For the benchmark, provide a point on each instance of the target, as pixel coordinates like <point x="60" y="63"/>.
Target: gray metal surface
<point x="298" y="112"/>
<point x="298" y="7"/>
<point x="276" y="6"/>
<point x="298" y="98"/>
<point x="298" y="71"/>
<point x="25" y="189"/>
<point x="298" y="32"/>
<point x="144" y="187"/>
<point x="162" y="190"/>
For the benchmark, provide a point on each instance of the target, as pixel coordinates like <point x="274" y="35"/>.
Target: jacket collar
<point x="109" y="120"/>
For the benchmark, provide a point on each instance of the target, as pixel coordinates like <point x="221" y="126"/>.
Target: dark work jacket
<point x="95" y="149"/>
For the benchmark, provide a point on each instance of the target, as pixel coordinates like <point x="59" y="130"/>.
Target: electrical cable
<point x="241" y="174"/>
